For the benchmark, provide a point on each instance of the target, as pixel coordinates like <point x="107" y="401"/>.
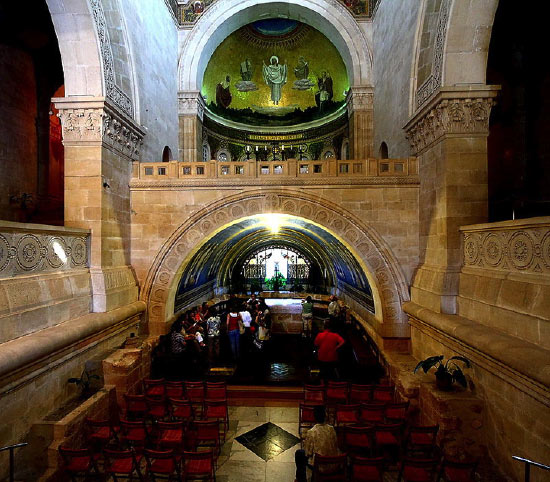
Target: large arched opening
<point x="362" y="251"/>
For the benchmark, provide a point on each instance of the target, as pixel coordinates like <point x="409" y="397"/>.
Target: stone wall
<point x="155" y="57"/>
<point x="18" y="148"/>
<point x="394" y="39"/>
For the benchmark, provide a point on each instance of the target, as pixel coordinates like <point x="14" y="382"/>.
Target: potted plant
<point x="446" y="373"/>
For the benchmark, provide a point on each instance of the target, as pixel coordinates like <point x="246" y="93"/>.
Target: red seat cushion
<point x="366" y="473"/>
<point x="101" y="433"/>
<point x="163" y="466"/>
<point x="79" y="464"/>
<point x="386" y="438"/>
<point x="201" y="466"/>
<point x="171" y="436"/>
<point x="122" y="466"/>
<point x="418" y="438"/>
<point x="217" y="412"/>
<point x="155" y="391"/>
<point x="135" y="434"/>
<point x="416" y="474"/>
<point x="182" y="412"/>
<point x="346" y="417"/>
<point x="358" y="439"/>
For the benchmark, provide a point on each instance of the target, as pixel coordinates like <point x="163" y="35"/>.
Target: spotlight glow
<point x="59" y="251"/>
<point x="273" y="221"/>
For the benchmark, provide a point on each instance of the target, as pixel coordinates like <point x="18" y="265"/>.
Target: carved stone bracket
<point x="95" y="119"/>
<point x="360" y="98"/>
<point x="191" y="103"/>
<point x="512" y="246"/>
<point x="28" y="249"/>
<point x="452" y="111"/>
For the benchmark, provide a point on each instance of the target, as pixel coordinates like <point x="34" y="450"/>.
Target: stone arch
<point x="467" y="45"/>
<point x="384" y="273"/>
<point x="87" y="57"/>
<point x="225" y="16"/>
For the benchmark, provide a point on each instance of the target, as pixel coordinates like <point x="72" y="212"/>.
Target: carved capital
<point x="191" y="103"/>
<point x="360" y="98"/>
<point x="96" y="120"/>
<point x="454" y="112"/>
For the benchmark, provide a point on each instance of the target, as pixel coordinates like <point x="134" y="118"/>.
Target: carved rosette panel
<point x="467" y="116"/>
<point x="101" y="124"/>
<point x="361" y="99"/>
<point x="191" y="103"/>
<point x="522" y="249"/>
<point x="24" y="253"/>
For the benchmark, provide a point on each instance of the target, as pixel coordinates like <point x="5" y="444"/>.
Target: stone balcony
<point x="289" y="171"/>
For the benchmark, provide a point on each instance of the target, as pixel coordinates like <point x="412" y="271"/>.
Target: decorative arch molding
<point x="81" y="26"/>
<point x="460" y="46"/>
<point x="225" y="16"/>
<point x="383" y="271"/>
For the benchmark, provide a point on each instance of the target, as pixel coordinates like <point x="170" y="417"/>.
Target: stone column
<point x="100" y="144"/>
<point x="190" y="112"/>
<point x="449" y="138"/>
<point x="361" y="113"/>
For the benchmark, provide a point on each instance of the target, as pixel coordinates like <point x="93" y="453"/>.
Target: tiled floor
<point x="239" y="464"/>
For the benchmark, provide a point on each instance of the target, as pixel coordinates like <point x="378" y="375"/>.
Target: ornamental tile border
<point x="523" y="249"/>
<point x="30" y="253"/>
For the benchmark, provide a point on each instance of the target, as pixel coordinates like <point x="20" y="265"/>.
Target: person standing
<point x="327" y="344"/>
<point x="233" y="330"/>
<point x="275" y="76"/>
<point x="307" y="316"/>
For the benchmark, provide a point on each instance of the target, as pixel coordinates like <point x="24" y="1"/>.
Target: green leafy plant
<point x="84" y="382"/>
<point x="275" y="283"/>
<point x="446" y="373"/>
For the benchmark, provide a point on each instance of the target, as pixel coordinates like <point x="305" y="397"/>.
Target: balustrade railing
<point x="12" y="448"/>
<point x="289" y="168"/>
<point x="528" y="464"/>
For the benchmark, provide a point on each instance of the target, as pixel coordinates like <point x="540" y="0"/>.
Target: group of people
<point x="249" y="323"/>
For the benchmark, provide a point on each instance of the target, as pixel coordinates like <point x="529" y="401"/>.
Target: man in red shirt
<point x="327" y="344"/>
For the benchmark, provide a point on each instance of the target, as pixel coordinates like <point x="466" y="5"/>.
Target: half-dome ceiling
<point x="275" y="72"/>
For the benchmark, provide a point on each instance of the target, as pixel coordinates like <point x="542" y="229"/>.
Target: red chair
<point x="396" y="412"/>
<point x="207" y="433"/>
<point x="162" y="464"/>
<point x="198" y="465"/>
<point x="216" y="391"/>
<point x="123" y="463"/>
<point x="79" y="462"/>
<point x="154" y="388"/>
<point x="171" y="435"/>
<point x="367" y="469"/>
<point x="337" y="392"/>
<point x="330" y="468"/>
<point x="306" y="417"/>
<point x="422" y="439"/>
<point x="181" y="410"/>
<point x="134" y="433"/>
<point x="194" y="391"/>
<point x="174" y="390"/>
<point x="217" y="410"/>
<point x="347" y="415"/>
<point x="360" y="393"/>
<point x="359" y="439"/>
<point x="452" y="471"/>
<point x="156" y="409"/>
<point x="387" y="438"/>
<point x="100" y="433"/>
<point x="383" y="393"/>
<point x="417" y="470"/>
<point x="136" y="407"/>
<point x="314" y="394"/>
<point x="372" y="413"/>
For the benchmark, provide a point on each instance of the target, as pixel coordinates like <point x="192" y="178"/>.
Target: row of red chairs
<point x="128" y="463"/>
<point x="196" y="391"/>
<point x="369" y="469"/>
<point x="344" y="392"/>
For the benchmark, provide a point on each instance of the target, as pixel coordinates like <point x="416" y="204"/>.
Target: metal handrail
<point x="11" y="448"/>
<point x="528" y="464"/>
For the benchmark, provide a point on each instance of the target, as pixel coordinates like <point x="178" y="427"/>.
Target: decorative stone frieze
<point x="453" y="111"/>
<point x="95" y="119"/>
<point x="360" y="98"/>
<point x="113" y="91"/>
<point x="31" y="248"/>
<point x="511" y="246"/>
<point x="191" y="103"/>
<point x="433" y="82"/>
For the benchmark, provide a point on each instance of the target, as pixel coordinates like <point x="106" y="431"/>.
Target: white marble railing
<point x="34" y="248"/>
<point x="522" y="245"/>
